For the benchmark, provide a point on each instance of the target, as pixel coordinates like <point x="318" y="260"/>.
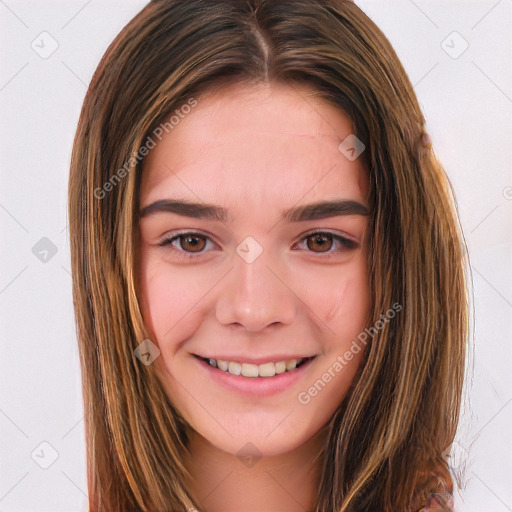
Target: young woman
<point x="269" y="274"/>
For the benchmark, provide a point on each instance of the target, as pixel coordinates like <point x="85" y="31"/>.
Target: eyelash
<point x="345" y="242"/>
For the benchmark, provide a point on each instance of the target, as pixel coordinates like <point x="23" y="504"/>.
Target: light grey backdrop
<point x="459" y="57"/>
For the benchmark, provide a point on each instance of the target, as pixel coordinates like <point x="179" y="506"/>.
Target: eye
<point x="187" y="243"/>
<point x="190" y="244"/>
<point x="321" y="242"/>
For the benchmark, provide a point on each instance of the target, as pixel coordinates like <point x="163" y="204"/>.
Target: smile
<point x="269" y="369"/>
<point x="271" y="381"/>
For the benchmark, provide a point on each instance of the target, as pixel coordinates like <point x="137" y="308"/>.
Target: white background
<point x="467" y="100"/>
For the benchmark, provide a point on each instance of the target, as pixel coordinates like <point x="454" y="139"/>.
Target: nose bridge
<point x="253" y="295"/>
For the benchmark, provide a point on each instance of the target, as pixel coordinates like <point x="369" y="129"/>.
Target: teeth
<point x="254" y="370"/>
<point x="290" y="365"/>
<point x="235" y="368"/>
<point x="222" y="365"/>
<point x="267" y="370"/>
<point x="280" y="367"/>
<point x="249" y="370"/>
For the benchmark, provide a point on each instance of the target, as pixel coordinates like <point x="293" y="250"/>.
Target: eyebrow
<point x="314" y="211"/>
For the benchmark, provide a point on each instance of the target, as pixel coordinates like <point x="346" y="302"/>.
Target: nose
<point x="256" y="295"/>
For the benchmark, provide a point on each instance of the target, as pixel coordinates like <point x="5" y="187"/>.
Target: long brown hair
<point x="386" y="440"/>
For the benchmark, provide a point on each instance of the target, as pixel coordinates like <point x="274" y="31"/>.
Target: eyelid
<point x="330" y="232"/>
<point x="166" y="239"/>
<point x="347" y="241"/>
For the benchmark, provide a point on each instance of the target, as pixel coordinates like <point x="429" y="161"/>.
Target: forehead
<point x="249" y="145"/>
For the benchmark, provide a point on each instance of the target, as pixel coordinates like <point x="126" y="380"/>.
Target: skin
<point x="255" y="151"/>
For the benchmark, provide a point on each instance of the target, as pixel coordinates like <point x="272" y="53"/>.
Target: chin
<point x="259" y="436"/>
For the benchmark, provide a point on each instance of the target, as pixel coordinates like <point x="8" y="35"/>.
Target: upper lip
<point x="258" y="360"/>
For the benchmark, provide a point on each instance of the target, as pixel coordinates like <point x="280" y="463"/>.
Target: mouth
<point x="256" y="381"/>
<point x="249" y="370"/>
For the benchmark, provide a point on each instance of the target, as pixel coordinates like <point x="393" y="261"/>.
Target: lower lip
<point x="255" y="386"/>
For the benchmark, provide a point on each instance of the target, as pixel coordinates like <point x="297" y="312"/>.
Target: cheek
<point x="170" y="301"/>
<point x="347" y="304"/>
<point x="341" y="298"/>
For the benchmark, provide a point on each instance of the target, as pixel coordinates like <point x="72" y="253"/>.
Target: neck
<point x="222" y="482"/>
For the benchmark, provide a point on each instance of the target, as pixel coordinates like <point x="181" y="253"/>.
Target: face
<point x="252" y="257"/>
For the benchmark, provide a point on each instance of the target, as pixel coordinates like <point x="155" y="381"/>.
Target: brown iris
<point x="321" y="240"/>
<point x="190" y="243"/>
